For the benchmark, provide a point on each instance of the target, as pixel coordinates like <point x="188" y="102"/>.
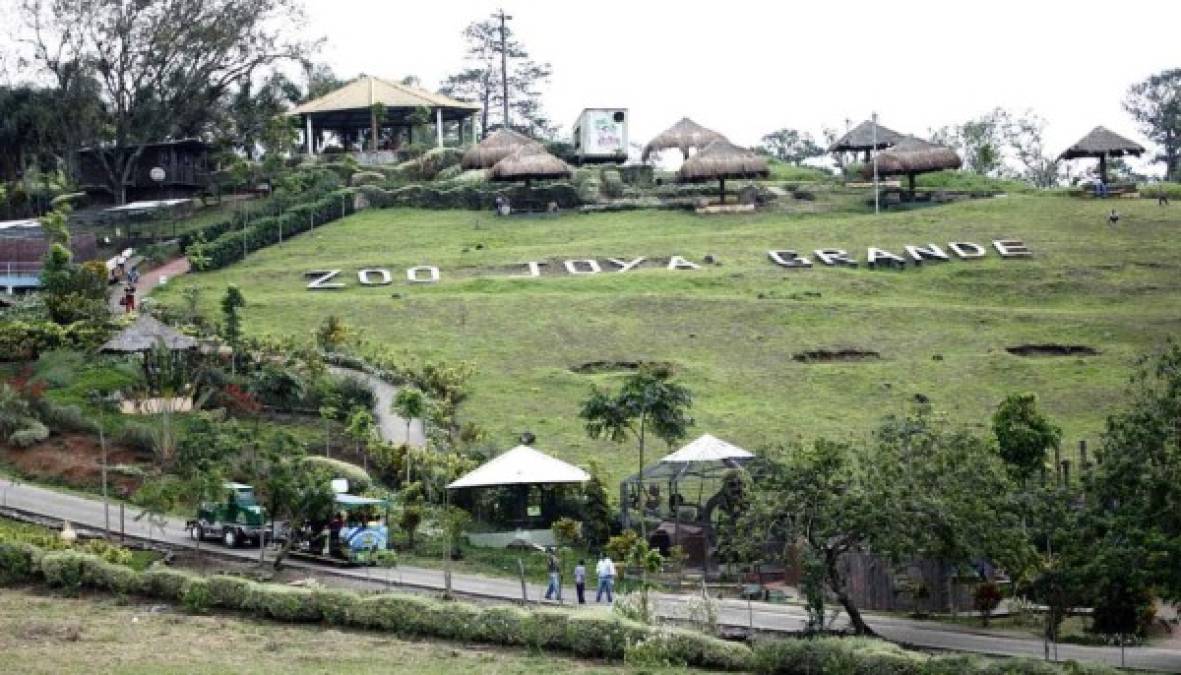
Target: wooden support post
<point x="309" y="137"/>
<point x="439" y="126"/>
<point x="524" y="591"/>
<point x="122" y="531"/>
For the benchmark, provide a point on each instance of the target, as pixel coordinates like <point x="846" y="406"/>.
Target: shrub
<point x="678" y="647"/>
<point x="19" y="561"/>
<point x="335" y="606"/>
<point x="548" y="629"/>
<point x="195" y="595"/>
<point x="165" y="584"/>
<point x="229" y="592"/>
<point x="453" y="620"/>
<point x="358" y="478"/>
<point x="601" y="636"/>
<point x="402" y="614"/>
<point x="63" y="569"/>
<point x="283" y="603"/>
<point x="33" y="432"/>
<point x="25" y="340"/>
<point x="114" y="577"/>
<point x="107" y="552"/>
<point x="855" y="656"/>
<point x="64" y="418"/>
<point x="505" y="626"/>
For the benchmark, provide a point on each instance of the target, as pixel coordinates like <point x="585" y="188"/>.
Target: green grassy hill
<point x="732" y="328"/>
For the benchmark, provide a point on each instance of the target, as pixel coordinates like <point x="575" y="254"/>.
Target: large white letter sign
<point x="413" y="276"/>
<point x="534" y="270"/>
<point x="877" y="255"/>
<point x="676" y="262"/>
<point x="365" y="276"/>
<point x="625" y="265"/>
<point x="835" y="256"/>
<point x="1011" y="248"/>
<point x="592" y="266"/>
<point x="789" y="259"/>
<point x="321" y="281"/>
<point x="928" y="252"/>
<point x="966" y="250"/>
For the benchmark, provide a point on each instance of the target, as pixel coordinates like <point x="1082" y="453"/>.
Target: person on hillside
<point x="553" y="567"/>
<point x="580" y="581"/>
<point x="605" y="570"/>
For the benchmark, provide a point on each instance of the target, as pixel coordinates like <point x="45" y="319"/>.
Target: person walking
<point x="605" y="570"/>
<point x="580" y="581"/>
<point x="555" y="576"/>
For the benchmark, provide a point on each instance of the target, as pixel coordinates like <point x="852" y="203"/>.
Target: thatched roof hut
<point x="912" y="156"/>
<point x="495" y="147"/>
<point x="861" y="138"/>
<point x="530" y="162"/>
<point x="145" y="335"/>
<point x="683" y="135"/>
<point x="721" y="160"/>
<point x="1102" y="143"/>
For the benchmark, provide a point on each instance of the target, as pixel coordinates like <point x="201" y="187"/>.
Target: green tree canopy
<point x="1023" y="434"/>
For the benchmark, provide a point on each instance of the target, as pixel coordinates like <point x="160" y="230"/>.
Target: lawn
<point x="41" y="633"/>
<point x="732" y="328"/>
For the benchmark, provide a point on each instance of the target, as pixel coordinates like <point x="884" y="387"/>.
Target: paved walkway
<point x="88" y="512"/>
<point x="147" y="281"/>
<point x="393" y="428"/>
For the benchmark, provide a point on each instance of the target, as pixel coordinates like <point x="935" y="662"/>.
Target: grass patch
<point x="731" y="328"/>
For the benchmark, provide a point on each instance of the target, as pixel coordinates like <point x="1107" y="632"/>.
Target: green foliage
<point x="1155" y="104"/>
<point x="596" y="509"/>
<point x="283" y="603"/>
<point x="19" y="562"/>
<point x="674" y="647"/>
<point x="231" y="326"/>
<point x="1023" y="434"/>
<point x="734" y="545"/>
<point x="195" y="595"/>
<point x="791" y="146"/>
<point x="588" y="635"/>
<point x="73" y="292"/>
<point x="567" y="531"/>
<point x="229" y="592"/>
<point x="968" y="181"/>
<point x="359" y="479"/>
<point x="849" y="656"/>
<point x="332" y="333"/>
<point x="620" y="546"/>
<point x="63" y="569"/>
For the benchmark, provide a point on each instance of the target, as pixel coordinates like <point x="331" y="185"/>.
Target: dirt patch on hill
<point x="835" y="355"/>
<point x="1052" y="350"/>
<point x="75" y="460"/>
<point x="600" y="367"/>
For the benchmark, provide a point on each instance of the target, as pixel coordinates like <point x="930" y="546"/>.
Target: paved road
<point x="777" y="618"/>
<point x="393" y="428"/>
<point x="147" y="281"/>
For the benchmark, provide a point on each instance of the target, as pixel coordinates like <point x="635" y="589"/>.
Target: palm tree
<point x="410" y="403"/>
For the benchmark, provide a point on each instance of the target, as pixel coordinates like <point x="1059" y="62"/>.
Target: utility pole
<point x="874" y="150"/>
<point x="504" y="63"/>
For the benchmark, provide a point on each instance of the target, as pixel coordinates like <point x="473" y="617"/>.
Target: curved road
<point x="393" y="428"/>
<point x="88" y="512"/>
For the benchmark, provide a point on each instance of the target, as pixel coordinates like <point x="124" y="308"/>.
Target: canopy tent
<point x="528" y="163"/>
<point x="912" y="156"/>
<point x="683" y="136"/>
<point x="721" y="160"/>
<point x="707" y="448"/>
<point x="495" y="147"/>
<point x="145" y="335"/>
<point x="865" y="138"/>
<point x="1102" y="143"/>
<point x="354" y="108"/>
<point x="521" y="466"/>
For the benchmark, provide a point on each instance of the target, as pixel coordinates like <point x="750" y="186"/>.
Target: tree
<point x="300" y="493"/>
<point x="647" y="401"/>
<point x="73" y="292"/>
<point x="162" y="65"/>
<point x="1155" y="104"/>
<point x="1025" y="136"/>
<point x="734" y="546"/>
<point x="332" y="333"/>
<point x="791" y="146"/>
<point x="363" y="430"/>
<point x="231" y="325"/>
<point x="480" y="80"/>
<point x="409" y="404"/>
<point x="254" y="114"/>
<point x="1023" y="434"/>
<point x="596" y="509"/>
<point x="981" y="141"/>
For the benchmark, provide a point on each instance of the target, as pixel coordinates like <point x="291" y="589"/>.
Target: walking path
<point x="147" y="281"/>
<point x="88" y="512"/>
<point x="393" y="428"/>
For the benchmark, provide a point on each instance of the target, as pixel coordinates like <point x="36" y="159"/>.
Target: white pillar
<point x="439" y="126"/>
<point x="308" y="134"/>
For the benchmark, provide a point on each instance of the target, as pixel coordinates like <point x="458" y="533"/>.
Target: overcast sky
<point x="745" y="68"/>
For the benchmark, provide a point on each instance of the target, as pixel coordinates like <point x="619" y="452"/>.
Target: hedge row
<point x="585" y="635"/>
<point x="480" y="196"/>
<point x="233" y="245"/>
<point x="26" y="340"/>
<point x="405" y="615"/>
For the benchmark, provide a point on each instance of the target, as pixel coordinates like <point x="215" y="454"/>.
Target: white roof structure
<point x="707" y="448"/>
<point x="521" y="466"/>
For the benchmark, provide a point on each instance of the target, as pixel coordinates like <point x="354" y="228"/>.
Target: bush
<point x="334" y="606"/>
<point x="64" y="418"/>
<point x="19" y="562"/>
<point x="26" y="340"/>
<point x="401" y="614"/>
<point x="283" y="603"/>
<point x="358" y="478"/>
<point x="108" y="576"/>
<point x="602" y="637"/>
<point x="1155" y="190"/>
<point x="63" y="569"/>
<point x="195" y="595"/>
<point x="165" y="584"/>
<point x="678" y="647"/>
<point x="505" y="626"/>
<point x="229" y="592"/>
<point x="854" y="656"/>
<point x="34" y="432"/>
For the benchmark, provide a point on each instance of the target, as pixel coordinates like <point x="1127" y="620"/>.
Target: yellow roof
<point x="367" y="90"/>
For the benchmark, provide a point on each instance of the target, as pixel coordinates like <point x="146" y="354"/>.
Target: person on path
<point x="605" y="570"/>
<point x="580" y="581"/>
<point x="555" y="576"/>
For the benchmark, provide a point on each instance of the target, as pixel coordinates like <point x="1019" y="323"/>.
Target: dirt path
<point x="147" y="281"/>
<point x="393" y="428"/>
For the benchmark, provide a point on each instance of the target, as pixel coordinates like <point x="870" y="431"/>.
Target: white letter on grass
<point x="874" y="255"/>
<point x="365" y="276"/>
<point x="432" y="274"/>
<point x="928" y="252"/>
<point x="678" y="263"/>
<point x="966" y="250"/>
<point x="835" y="256"/>
<point x="321" y="280"/>
<point x="592" y="266"/>
<point x="624" y="265"/>
<point x="1011" y="248"/>
<point x="789" y="259"/>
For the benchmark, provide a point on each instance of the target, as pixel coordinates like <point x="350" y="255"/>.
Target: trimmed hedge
<point x="26" y="340"/>
<point x="476" y="196"/>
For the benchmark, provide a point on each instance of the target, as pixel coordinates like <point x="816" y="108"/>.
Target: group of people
<point x="604" y="572"/>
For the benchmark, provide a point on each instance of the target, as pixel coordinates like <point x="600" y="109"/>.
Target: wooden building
<point x="186" y="164"/>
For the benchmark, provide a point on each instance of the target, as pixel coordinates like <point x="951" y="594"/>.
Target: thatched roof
<point x="366" y="90"/>
<point x="495" y="147"/>
<point x="144" y="335"/>
<point x="682" y="135"/>
<point x="530" y="162"/>
<point x="1102" y="142"/>
<point x="913" y="155"/>
<point x="861" y="137"/>
<point x="723" y="159"/>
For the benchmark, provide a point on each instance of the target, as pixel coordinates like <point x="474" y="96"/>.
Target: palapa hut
<point x="912" y="156"/>
<point x="721" y="160"/>
<point x="145" y="335"/>
<point x="1102" y="143"/>
<point x="683" y="135"/>
<point x="495" y="147"/>
<point x="864" y="138"/>
<point x="530" y="162"/>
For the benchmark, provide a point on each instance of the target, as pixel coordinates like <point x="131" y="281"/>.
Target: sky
<point x="745" y="68"/>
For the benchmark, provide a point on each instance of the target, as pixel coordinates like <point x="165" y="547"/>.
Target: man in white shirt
<point x="605" y="570"/>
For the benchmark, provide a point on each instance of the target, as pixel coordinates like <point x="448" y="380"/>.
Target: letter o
<point x="592" y="266"/>
<point x="412" y="274"/>
<point x="365" y="276"/>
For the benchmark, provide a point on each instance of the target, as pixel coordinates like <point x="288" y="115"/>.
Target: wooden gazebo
<point x="721" y="160"/>
<point x="369" y="106"/>
<point x="864" y="138"/>
<point x="1102" y="143"/>
<point x="912" y="156"/>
